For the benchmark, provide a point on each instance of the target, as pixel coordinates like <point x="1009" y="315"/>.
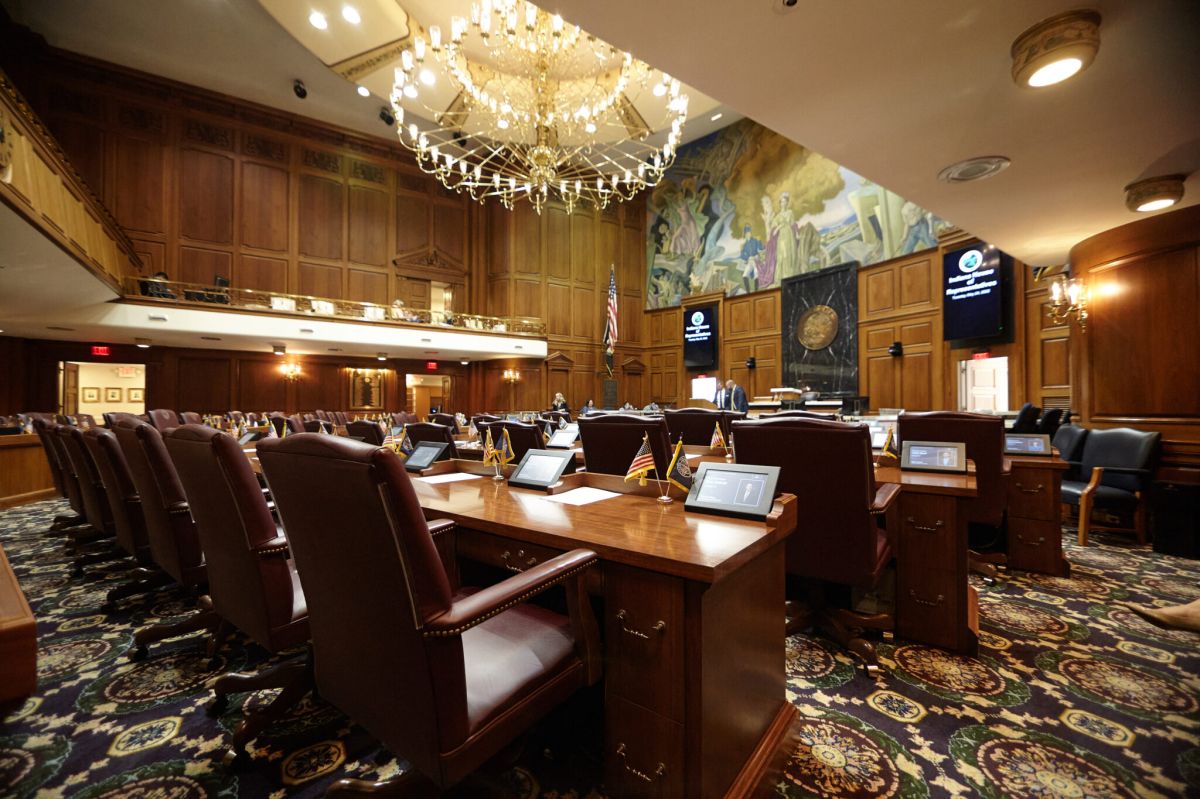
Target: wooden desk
<point x="24" y="471"/>
<point x="695" y="688"/>
<point x="934" y="602"/>
<point x="18" y="640"/>
<point x="1034" y="515"/>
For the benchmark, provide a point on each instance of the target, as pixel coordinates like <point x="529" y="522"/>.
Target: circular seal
<point x="818" y="327"/>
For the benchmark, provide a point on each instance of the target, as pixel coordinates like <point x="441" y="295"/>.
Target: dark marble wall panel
<point x="833" y="368"/>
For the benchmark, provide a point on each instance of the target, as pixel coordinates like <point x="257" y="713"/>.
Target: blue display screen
<point x="700" y="338"/>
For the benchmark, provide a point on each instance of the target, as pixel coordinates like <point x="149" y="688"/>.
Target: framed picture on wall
<point x="366" y="389"/>
<point x="135" y="395"/>
<point x="89" y="395"/>
<point x="113" y="395"/>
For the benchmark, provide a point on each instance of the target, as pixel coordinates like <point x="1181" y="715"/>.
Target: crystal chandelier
<point x="540" y="110"/>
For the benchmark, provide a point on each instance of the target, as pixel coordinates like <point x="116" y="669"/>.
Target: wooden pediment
<point x="633" y="366"/>
<point x="559" y="362"/>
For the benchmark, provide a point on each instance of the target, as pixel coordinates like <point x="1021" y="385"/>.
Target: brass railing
<point x="199" y="295"/>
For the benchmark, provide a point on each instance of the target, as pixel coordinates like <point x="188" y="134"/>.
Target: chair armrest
<point x="276" y="547"/>
<point x="439" y="526"/>
<point x="885" y="495"/>
<point x="1093" y="483"/>
<point x="1127" y="470"/>
<point x="495" y="599"/>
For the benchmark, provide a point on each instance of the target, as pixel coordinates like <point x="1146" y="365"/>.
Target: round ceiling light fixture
<point x="1154" y="194"/>
<point x="1056" y="48"/>
<point x="978" y="168"/>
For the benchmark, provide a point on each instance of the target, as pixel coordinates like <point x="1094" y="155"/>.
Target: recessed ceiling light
<point x="464" y="363"/>
<point x="278" y="349"/>
<point x="1056" y="48"/>
<point x="1154" y="194"/>
<point x="426" y="76"/>
<point x="716" y="116"/>
<point x="142" y="343"/>
<point x="318" y="21"/>
<point x="351" y="15"/>
<point x="363" y="91"/>
<point x="977" y="168"/>
<point x="381" y="356"/>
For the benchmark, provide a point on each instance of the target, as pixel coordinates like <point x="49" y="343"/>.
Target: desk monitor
<point x="934" y="456"/>
<point x="563" y="439"/>
<point x="878" y="438"/>
<point x="397" y="429"/>
<point x="1026" y="444"/>
<point x="743" y="490"/>
<point x="253" y="435"/>
<point x="540" y="468"/>
<point x="424" y="454"/>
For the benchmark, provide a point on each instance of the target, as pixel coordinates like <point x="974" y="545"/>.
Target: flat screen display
<point x="540" y="468"/>
<point x="248" y="437"/>
<point x="1022" y="444"/>
<point x="424" y="454"/>
<point x="972" y="293"/>
<point x="733" y="489"/>
<point x="563" y="439"/>
<point x="934" y="456"/>
<point x="700" y="337"/>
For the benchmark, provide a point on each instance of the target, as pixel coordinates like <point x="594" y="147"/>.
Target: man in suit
<point x="732" y="398"/>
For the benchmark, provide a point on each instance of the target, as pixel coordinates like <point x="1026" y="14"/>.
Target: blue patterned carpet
<point x="1071" y="696"/>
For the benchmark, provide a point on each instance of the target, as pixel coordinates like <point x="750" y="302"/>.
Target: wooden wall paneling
<point x="318" y="280"/>
<point x="139" y="184"/>
<point x="205" y="187"/>
<point x="260" y="386"/>
<point x="1047" y="355"/>
<point x="368" y="226"/>
<point x="321" y="216"/>
<point x="323" y="386"/>
<point x="583" y="248"/>
<point x="264" y="207"/>
<point x="85" y="145"/>
<point x="203" y="384"/>
<point x="413" y="223"/>
<point x="450" y="229"/>
<point x="558" y="243"/>
<point x="365" y="285"/>
<point x="198" y="265"/>
<point x="527" y="245"/>
<point x="527" y="298"/>
<point x="262" y="274"/>
<point x="558" y="310"/>
<point x="585" y="319"/>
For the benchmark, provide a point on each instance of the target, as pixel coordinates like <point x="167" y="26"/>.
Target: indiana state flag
<point x="679" y="473"/>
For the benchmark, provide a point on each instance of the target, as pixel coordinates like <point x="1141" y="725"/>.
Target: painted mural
<point x="743" y="208"/>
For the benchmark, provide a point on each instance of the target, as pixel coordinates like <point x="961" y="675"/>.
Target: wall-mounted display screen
<point x="972" y="293"/>
<point x="700" y="337"/>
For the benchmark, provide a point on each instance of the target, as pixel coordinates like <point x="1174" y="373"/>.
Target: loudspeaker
<point x="896" y="350"/>
<point x="751" y="362"/>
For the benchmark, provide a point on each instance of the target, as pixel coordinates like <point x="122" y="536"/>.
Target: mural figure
<point x="744" y="208"/>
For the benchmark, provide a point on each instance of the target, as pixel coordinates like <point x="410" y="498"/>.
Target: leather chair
<point x="611" y="440"/>
<point x="829" y="417"/>
<point x="85" y="420"/>
<point x="236" y="417"/>
<point x="1068" y="440"/>
<point x="428" y="431"/>
<point x="279" y="423"/>
<point x="838" y="539"/>
<point x="316" y="426"/>
<point x="1027" y="419"/>
<point x="983" y="435"/>
<point x="485" y="418"/>
<point x="95" y="501"/>
<point x="321" y="415"/>
<point x="170" y="531"/>
<point x="1050" y="422"/>
<point x="1114" y="470"/>
<point x="340" y="418"/>
<point x="557" y="416"/>
<point x="446" y="419"/>
<point x="369" y="432"/>
<point x="252" y="581"/>
<point x="163" y="419"/>
<point x="252" y="418"/>
<point x="64" y="484"/>
<point x="191" y="417"/>
<point x="113" y="418"/>
<point x="398" y="419"/>
<point x="443" y="678"/>
<point x="294" y="424"/>
<point x="694" y="424"/>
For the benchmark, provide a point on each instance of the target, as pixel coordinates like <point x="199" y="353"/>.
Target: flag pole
<point x="665" y="498"/>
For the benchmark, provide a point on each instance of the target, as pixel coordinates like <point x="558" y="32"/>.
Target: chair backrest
<point x="170" y="530"/>
<point x="983" y="435"/>
<point x="369" y="432"/>
<point x="340" y="418"/>
<point x="41" y="427"/>
<point x="829" y="417"/>
<point x="313" y="425"/>
<point x="321" y="415"/>
<point x="119" y="490"/>
<point x="294" y="424"/>
<point x="694" y="424"/>
<point x="1121" y="447"/>
<point x="485" y="418"/>
<point x="828" y="466"/>
<point x="444" y="418"/>
<point x="1027" y="418"/>
<point x="163" y="419"/>
<point x="253" y="593"/>
<point x="279" y="423"/>
<point x="95" y="503"/>
<point x="70" y="477"/>
<point x="114" y="418"/>
<point x="191" y="417"/>
<point x="368" y="602"/>
<point x="236" y="416"/>
<point x="523" y="437"/>
<point x="85" y="420"/>
<point x="610" y="441"/>
<point x="1050" y="422"/>
<point x="557" y="415"/>
<point x="1068" y="440"/>
<point x="428" y="431"/>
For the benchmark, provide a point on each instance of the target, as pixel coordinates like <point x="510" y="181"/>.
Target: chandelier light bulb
<point x="435" y="38"/>
<point x="419" y="48"/>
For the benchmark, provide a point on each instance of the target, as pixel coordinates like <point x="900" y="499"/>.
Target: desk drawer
<point x="643" y="752"/>
<point x="643" y="634"/>
<point x="1031" y="495"/>
<point x="927" y="532"/>
<point x="504" y="553"/>
<point x="928" y="605"/>
<point x="1035" y="546"/>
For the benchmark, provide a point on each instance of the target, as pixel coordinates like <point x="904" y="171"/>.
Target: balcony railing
<point x="199" y="295"/>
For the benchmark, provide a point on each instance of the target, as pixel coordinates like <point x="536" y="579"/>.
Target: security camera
<point x="385" y="114"/>
<point x="299" y="88"/>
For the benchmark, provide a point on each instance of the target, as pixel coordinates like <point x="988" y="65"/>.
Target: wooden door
<point x="70" y="389"/>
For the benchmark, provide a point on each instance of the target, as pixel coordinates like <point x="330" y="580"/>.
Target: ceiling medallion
<point x="818" y="327"/>
<point x="541" y="110"/>
<point x="970" y="169"/>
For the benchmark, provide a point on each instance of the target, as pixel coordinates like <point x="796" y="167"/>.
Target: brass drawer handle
<point x="506" y="563"/>
<point x="939" y="524"/>
<point x="658" y="774"/>
<point x="927" y="602"/>
<point x="1036" y="490"/>
<point x="659" y="626"/>
<point x="1041" y="540"/>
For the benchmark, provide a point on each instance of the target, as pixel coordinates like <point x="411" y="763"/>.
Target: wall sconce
<point x="512" y="376"/>
<point x="290" y="371"/>
<point x="1068" y="300"/>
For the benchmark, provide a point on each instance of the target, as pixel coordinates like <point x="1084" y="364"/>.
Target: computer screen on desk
<point x="1026" y="444"/>
<point x="563" y="439"/>
<point x="540" y="468"/>
<point x="733" y="489"/>
<point x="934" y="456"/>
<point x="425" y="453"/>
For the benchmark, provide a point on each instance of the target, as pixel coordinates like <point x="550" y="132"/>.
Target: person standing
<point x="559" y="404"/>
<point x="735" y="397"/>
<point x="721" y="397"/>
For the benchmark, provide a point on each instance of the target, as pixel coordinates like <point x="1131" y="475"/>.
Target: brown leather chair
<point x="170" y="531"/>
<point x="235" y="416"/>
<point x="163" y="419"/>
<point x="279" y="423"/>
<point x="983" y="435"/>
<point x="369" y="432"/>
<point x="113" y="418"/>
<point x="485" y="418"/>
<point x="829" y="417"/>
<point x="321" y="415"/>
<point x="444" y="678"/>
<point x="838" y="538"/>
<point x="95" y="502"/>
<point x="694" y="424"/>
<point x="428" y="431"/>
<point x="252" y="581"/>
<point x="557" y="416"/>
<point x="64" y="483"/>
<point x="340" y="418"/>
<point x="294" y="424"/>
<point x="316" y="426"/>
<point x="191" y="417"/>
<point x="85" y="420"/>
<point x="446" y="419"/>
<point x="611" y="440"/>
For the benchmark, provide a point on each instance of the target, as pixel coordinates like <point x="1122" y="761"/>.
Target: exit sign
<point x="980" y="356"/>
<point x="100" y="350"/>
<point x="431" y="366"/>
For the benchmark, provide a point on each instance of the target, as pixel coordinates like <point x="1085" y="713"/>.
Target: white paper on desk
<point x="582" y="496"/>
<point x="694" y="457"/>
<point x="452" y="477"/>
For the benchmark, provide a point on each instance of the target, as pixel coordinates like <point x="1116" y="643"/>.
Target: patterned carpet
<point x="1071" y="696"/>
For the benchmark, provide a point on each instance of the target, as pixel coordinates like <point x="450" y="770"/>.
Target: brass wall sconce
<point x="1068" y="300"/>
<point x="290" y="371"/>
<point x="512" y="376"/>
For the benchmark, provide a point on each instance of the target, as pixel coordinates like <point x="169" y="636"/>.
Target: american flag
<point x="643" y="462"/>
<point x="610" y="325"/>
